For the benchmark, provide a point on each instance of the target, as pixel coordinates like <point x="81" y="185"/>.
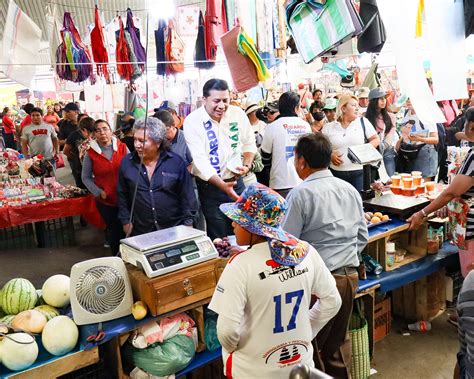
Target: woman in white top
<point x="385" y="126"/>
<point x="349" y="129"/>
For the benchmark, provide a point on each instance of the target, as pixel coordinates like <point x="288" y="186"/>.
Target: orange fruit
<point x="375" y="220"/>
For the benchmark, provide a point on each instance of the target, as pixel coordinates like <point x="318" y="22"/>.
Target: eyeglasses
<point x="102" y="130"/>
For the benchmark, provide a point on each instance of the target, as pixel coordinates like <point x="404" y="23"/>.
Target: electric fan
<point x="100" y="290"/>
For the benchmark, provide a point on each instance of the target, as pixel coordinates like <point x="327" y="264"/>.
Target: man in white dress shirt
<point x="222" y="144"/>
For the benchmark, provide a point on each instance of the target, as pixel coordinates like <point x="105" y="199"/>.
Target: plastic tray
<point x="370" y="225"/>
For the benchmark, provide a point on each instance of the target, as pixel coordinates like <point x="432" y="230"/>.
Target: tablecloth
<point x="47" y="210"/>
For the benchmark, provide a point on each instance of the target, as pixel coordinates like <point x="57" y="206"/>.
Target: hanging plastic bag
<point x="124" y="68"/>
<point x="72" y="56"/>
<point x="162" y="359"/>
<point x="210" y="330"/>
<point x="99" y="52"/>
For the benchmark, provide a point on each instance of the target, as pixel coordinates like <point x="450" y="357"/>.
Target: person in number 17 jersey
<point x="263" y="298"/>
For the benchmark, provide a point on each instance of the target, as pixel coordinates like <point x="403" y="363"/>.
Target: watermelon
<point x="39" y="299"/>
<point x="48" y="311"/>
<point x="7" y="319"/>
<point x="18" y="295"/>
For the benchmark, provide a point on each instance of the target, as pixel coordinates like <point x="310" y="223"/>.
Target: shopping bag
<point x="359" y="334"/>
<point x="317" y="29"/>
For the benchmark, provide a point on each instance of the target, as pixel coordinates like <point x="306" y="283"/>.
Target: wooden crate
<point x="382" y="319"/>
<point x="424" y="299"/>
<point x="412" y="241"/>
<point x="174" y="290"/>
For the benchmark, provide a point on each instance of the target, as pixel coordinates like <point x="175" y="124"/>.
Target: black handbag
<point x="409" y="151"/>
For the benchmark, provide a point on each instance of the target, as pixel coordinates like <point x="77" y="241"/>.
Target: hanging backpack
<point x="99" y="52"/>
<point x="175" y="50"/>
<point x="124" y="68"/>
<point x="72" y="56"/>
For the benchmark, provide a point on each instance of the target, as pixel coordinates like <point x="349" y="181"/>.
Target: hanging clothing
<point x="469" y="17"/>
<point x="136" y="67"/>
<point x="215" y="26"/>
<point x="138" y="50"/>
<point x="200" y="59"/>
<point x="124" y="68"/>
<point x="99" y="52"/>
<point x="160" y="47"/>
<point x="374" y="36"/>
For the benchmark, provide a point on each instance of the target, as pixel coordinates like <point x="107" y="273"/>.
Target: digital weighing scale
<point x="167" y="250"/>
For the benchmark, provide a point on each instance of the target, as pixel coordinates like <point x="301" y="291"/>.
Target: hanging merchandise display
<point x="247" y="47"/>
<point x="215" y="26"/>
<point x="200" y="59"/>
<point x="124" y="68"/>
<point x="279" y="28"/>
<point x="373" y="38"/>
<point x="135" y="46"/>
<point x="242" y="69"/>
<point x="174" y="51"/>
<point x="372" y="78"/>
<point x="318" y="28"/>
<point x="99" y="52"/>
<point x="72" y="56"/>
<point x="160" y="48"/>
<point x="187" y="20"/>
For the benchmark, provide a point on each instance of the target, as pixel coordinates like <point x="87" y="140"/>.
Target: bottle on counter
<point x="390" y="253"/>
<point x="432" y="241"/>
<point x="420" y="326"/>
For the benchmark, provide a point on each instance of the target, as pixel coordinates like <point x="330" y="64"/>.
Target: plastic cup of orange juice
<point x="396" y="180"/>
<point x="420" y="189"/>
<point x="397" y="190"/>
<point x="430" y="186"/>
<point x="416" y="180"/>
<point x="416" y="173"/>
<point x="405" y="175"/>
<point x="407" y="182"/>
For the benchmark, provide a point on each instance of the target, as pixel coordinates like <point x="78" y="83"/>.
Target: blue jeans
<point x="356" y="178"/>
<point x="218" y="225"/>
<point x="389" y="160"/>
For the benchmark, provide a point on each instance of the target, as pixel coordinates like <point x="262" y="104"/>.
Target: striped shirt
<point x="467" y="168"/>
<point x="466" y="327"/>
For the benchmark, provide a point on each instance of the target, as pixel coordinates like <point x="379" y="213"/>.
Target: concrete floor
<point x="429" y="355"/>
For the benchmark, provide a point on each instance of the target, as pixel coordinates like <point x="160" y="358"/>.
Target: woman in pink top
<point x="385" y="126"/>
<point x="51" y="117"/>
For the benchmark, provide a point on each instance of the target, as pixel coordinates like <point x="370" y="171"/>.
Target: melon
<point x="48" y="311"/>
<point x="39" y="300"/>
<point x="7" y="319"/>
<point x="32" y="321"/>
<point x="18" y="295"/>
<point x="56" y="291"/>
<point x="60" y="335"/>
<point x="18" y="351"/>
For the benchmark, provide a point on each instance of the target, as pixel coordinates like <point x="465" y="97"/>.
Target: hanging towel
<point x="200" y="59"/>
<point x="246" y="47"/>
<point x="124" y="68"/>
<point x="160" y="47"/>
<point x="242" y="70"/>
<point x="374" y="35"/>
<point x="72" y="51"/>
<point x="215" y="26"/>
<point x="99" y="52"/>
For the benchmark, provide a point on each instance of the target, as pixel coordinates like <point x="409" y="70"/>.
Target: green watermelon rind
<point x="48" y="311"/>
<point x="13" y="303"/>
<point x="39" y="299"/>
<point x="7" y="319"/>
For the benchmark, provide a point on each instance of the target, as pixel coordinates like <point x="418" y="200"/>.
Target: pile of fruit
<point x="25" y="312"/>
<point x="224" y="247"/>
<point x="375" y="218"/>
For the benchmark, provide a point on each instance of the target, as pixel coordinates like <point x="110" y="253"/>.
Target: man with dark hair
<point x="218" y="135"/>
<point x="69" y="123"/>
<point x="279" y="141"/>
<point x="39" y="137"/>
<point x="71" y="148"/>
<point x="317" y="95"/>
<point x="318" y="213"/>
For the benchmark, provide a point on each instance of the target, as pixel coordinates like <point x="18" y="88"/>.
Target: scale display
<point x="173" y="255"/>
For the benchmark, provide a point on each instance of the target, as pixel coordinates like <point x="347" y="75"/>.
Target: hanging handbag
<point x="200" y="59"/>
<point x="176" y="50"/>
<point x="124" y="68"/>
<point x="99" y="52"/>
<point x="136" y="45"/>
<point x="359" y="334"/>
<point x="73" y="57"/>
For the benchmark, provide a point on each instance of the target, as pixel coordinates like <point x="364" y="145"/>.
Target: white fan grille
<point x="100" y="289"/>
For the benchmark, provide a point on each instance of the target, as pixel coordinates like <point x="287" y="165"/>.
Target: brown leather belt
<point x="345" y="271"/>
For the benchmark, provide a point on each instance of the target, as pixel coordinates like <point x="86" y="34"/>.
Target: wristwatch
<point x="424" y="213"/>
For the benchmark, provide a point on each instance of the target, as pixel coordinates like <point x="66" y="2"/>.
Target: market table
<point x="47" y="210"/>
